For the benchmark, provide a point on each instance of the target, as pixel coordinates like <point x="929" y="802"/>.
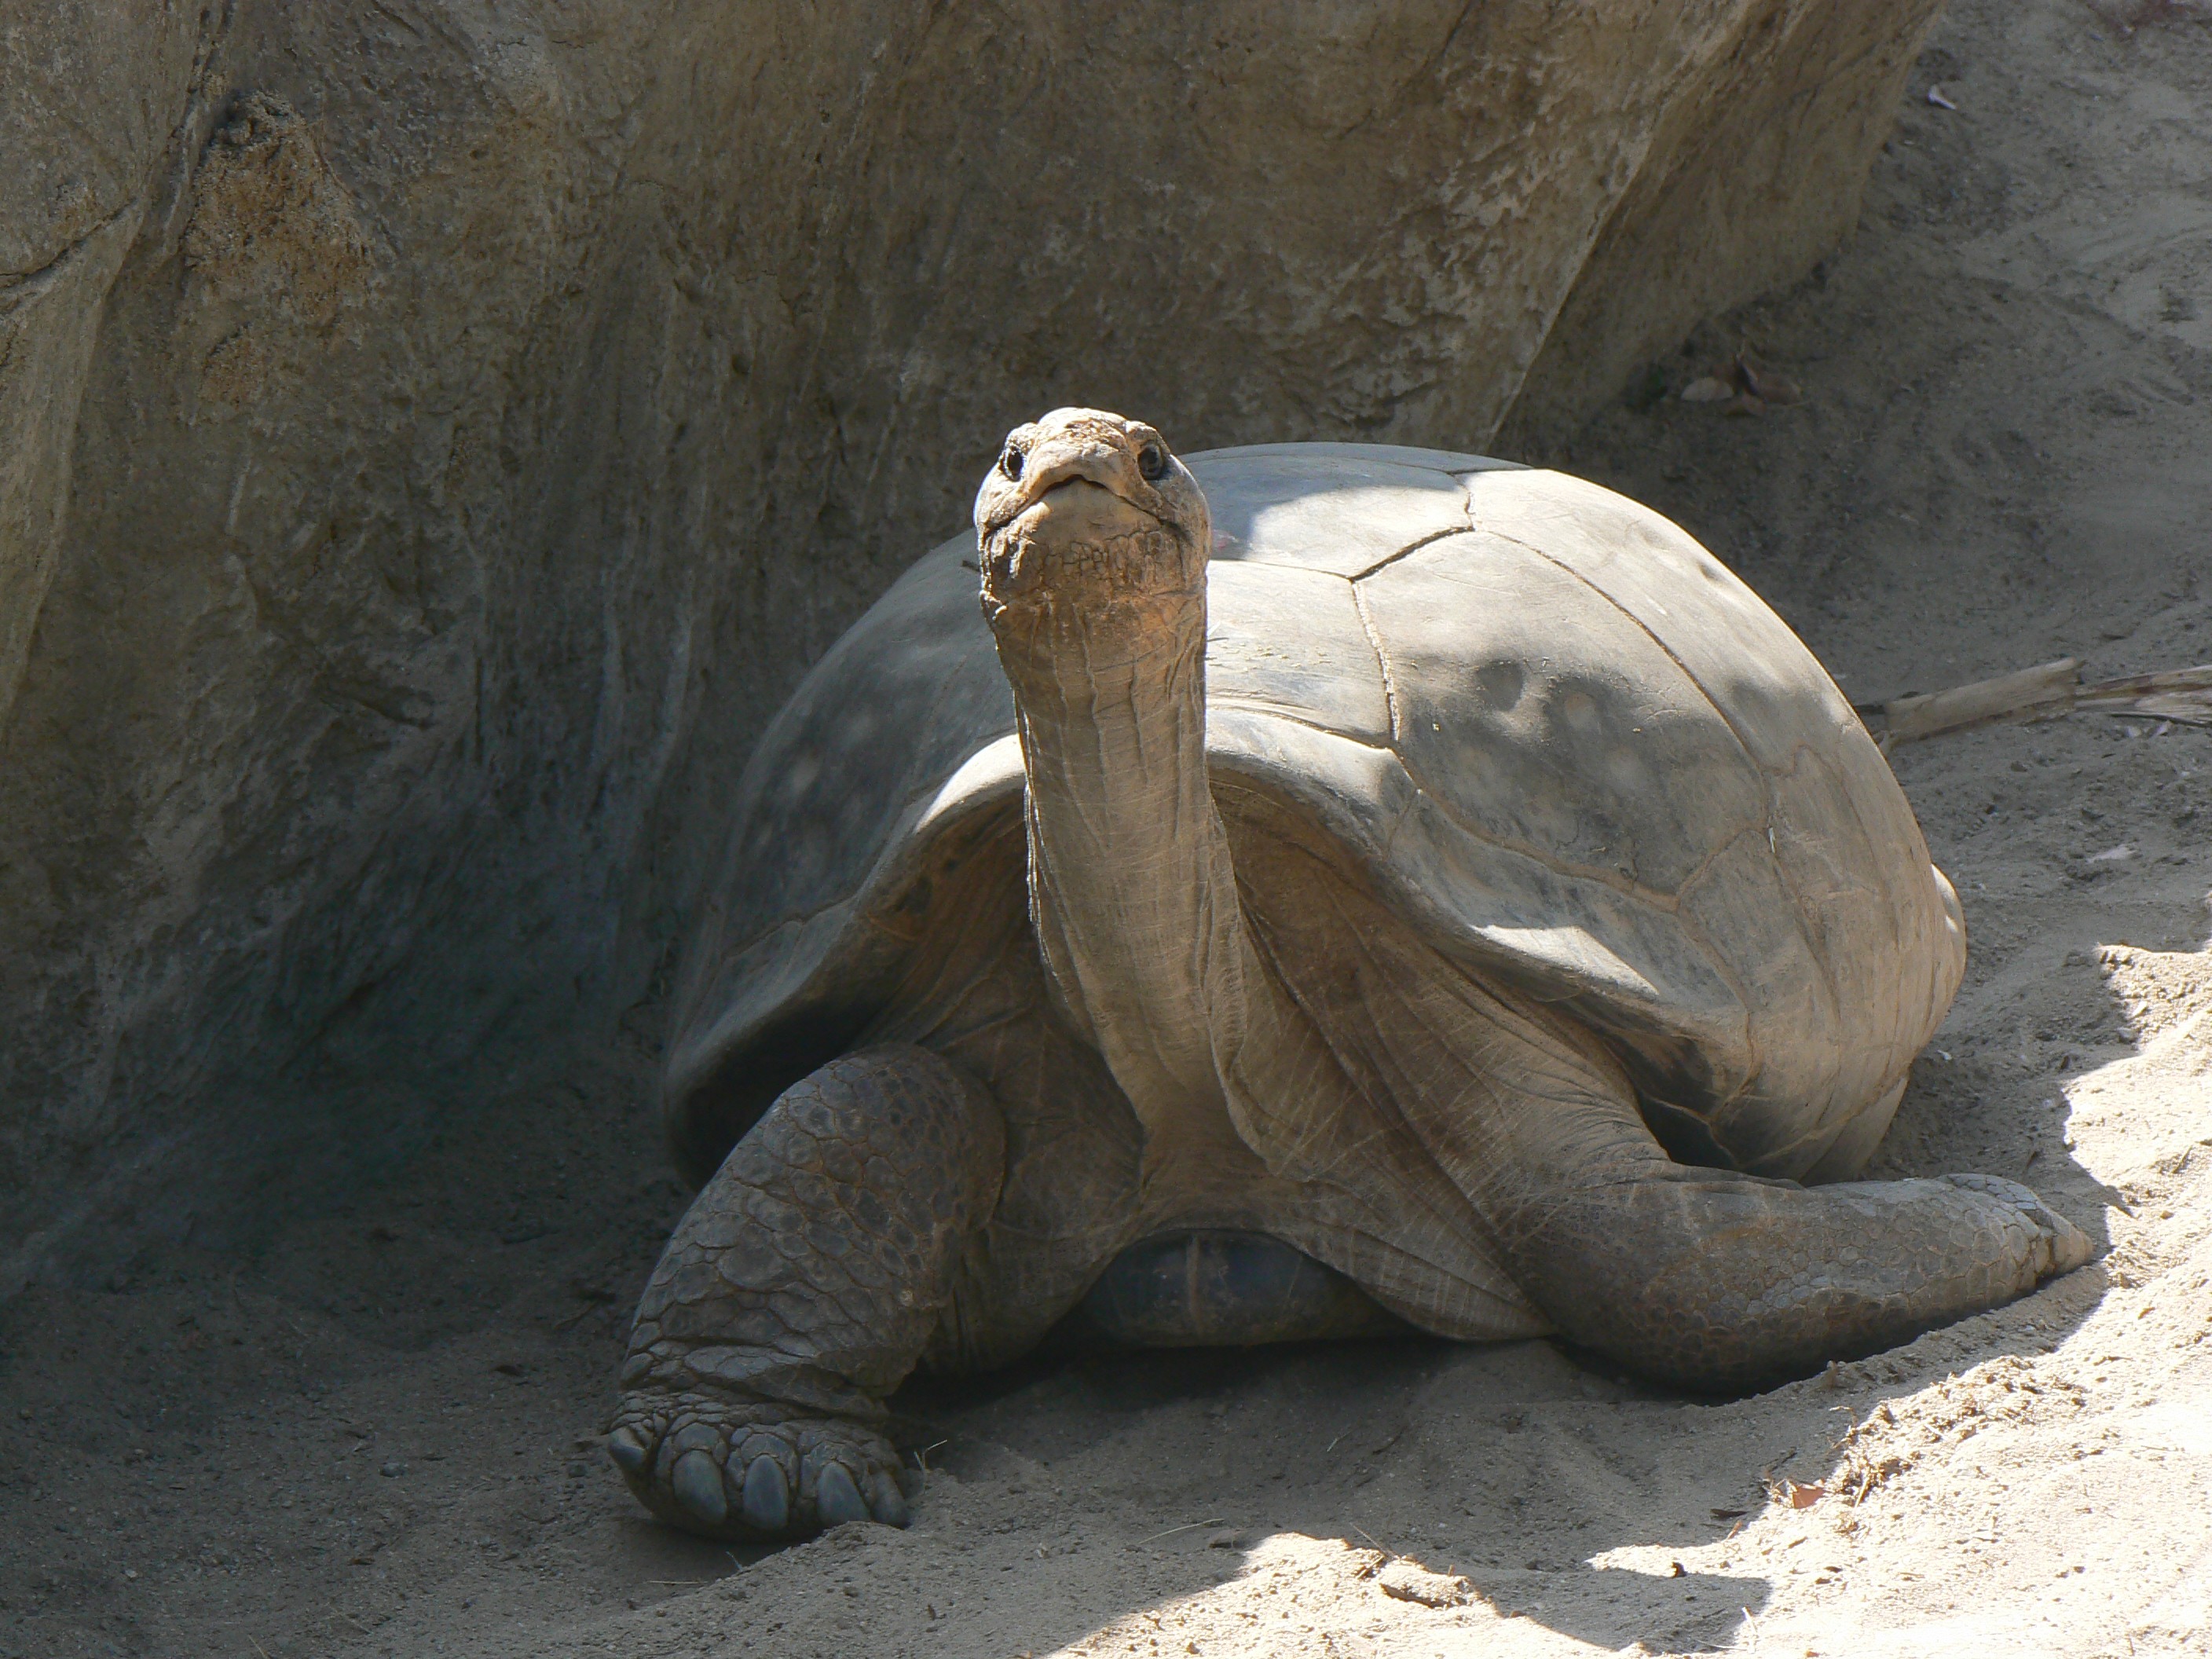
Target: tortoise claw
<point x="837" y="1499"/>
<point x="742" y="1470"/>
<point x="766" y="1506"/>
<point x="696" y="1483"/>
<point x="628" y="1451"/>
<point x="886" y="1503"/>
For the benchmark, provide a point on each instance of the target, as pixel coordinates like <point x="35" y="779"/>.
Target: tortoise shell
<point x="1547" y="726"/>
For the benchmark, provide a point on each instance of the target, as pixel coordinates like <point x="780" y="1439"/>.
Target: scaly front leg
<point x="797" y="1291"/>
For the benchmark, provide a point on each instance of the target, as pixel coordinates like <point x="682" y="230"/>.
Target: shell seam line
<point x="1381" y="661"/>
<point x="1665" y="650"/>
<point x="1665" y="903"/>
<point x="1626" y="885"/>
<point x="1411" y="548"/>
<point x="1765" y="785"/>
<point x="1277" y="712"/>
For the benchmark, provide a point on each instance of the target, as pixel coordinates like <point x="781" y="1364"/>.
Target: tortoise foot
<point x="2060" y="1245"/>
<point x="753" y="1470"/>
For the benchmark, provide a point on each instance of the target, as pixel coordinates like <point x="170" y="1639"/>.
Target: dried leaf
<point x="1804" y="1496"/>
<point x="1765" y="384"/>
<point x="1408" y="1583"/>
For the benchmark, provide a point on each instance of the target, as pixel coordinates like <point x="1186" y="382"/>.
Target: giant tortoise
<point x="1328" y="888"/>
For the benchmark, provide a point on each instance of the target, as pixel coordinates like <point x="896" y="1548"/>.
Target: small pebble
<point x="393" y="1470"/>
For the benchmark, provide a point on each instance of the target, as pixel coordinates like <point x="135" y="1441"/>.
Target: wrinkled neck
<point x="1131" y="887"/>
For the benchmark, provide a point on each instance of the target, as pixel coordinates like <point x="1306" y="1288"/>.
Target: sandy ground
<point x="377" y="1435"/>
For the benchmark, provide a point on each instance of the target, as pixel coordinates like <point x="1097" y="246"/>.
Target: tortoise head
<point x="1085" y="512"/>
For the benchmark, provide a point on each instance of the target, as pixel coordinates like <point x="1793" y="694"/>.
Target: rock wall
<point x="435" y="433"/>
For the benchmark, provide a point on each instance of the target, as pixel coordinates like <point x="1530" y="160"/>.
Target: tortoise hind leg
<point x="798" y="1290"/>
<point x="1703" y="1278"/>
<point x="1711" y="1280"/>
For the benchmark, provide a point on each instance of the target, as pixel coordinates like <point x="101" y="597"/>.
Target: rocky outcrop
<point x="433" y="436"/>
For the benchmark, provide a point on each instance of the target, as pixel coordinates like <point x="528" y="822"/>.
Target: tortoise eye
<point x="1011" y="462"/>
<point x="1152" y="462"/>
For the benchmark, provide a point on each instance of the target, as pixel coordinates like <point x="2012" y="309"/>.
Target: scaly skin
<point x="797" y="1291"/>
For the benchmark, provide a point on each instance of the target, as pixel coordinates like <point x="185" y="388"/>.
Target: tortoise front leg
<point x="798" y="1290"/>
<point x="1711" y="1280"/>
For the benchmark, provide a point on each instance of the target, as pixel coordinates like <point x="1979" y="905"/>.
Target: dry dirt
<point x="375" y="1435"/>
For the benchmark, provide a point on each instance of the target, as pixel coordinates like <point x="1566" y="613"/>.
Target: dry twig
<point x="2042" y="693"/>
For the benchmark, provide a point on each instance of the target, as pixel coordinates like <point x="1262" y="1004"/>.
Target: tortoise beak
<point x="1064" y="532"/>
<point x="1078" y="509"/>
